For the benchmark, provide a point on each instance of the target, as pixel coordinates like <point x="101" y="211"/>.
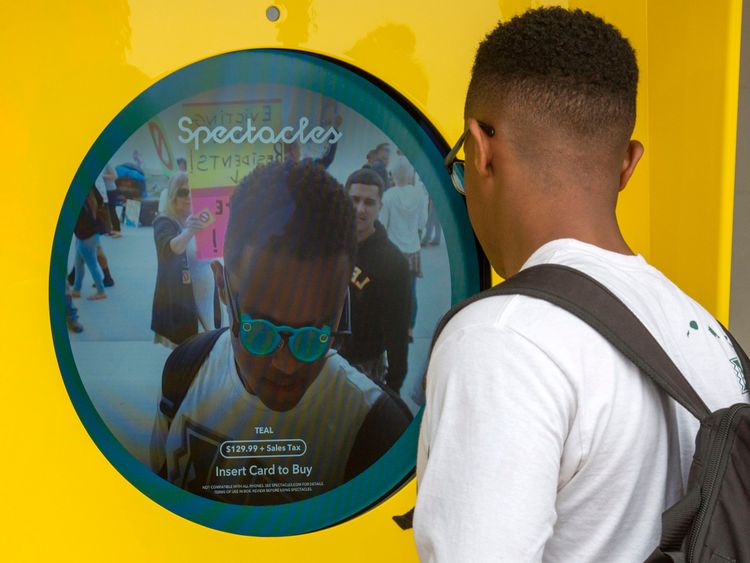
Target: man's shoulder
<point x="390" y="194"/>
<point x="505" y="342"/>
<point x="485" y="310"/>
<point x="506" y="320"/>
<point x="339" y="374"/>
<point x="555" y="332"/>
<point x="386" y="249"/>
<point x="199" y="357"/>
<point x="341" y="379"/>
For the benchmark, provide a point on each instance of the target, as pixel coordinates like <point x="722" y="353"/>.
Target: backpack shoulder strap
<point x="589" y="300"/>
<point x="181" y="367"/>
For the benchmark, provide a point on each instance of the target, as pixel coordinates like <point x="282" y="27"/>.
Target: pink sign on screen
<point x="211" y="205"/>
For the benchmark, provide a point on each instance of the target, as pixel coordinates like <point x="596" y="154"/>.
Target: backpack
<point x="711" y="523"/>
<point x="181" y="367"/>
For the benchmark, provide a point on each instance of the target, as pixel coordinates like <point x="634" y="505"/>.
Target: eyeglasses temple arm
<point x="233" y="311"/>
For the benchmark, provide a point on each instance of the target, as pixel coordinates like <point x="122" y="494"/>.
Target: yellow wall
<point x="69" y="67"/>
<point x="694" y="50"/>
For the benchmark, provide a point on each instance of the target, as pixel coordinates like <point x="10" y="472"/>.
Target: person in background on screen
<point x="109" y="176"/>
<point x="87" y="230"/>
<point x="164" y="193"/>
<point x="293" y="153"/>
<point x="404" y="216"/>
<point x="380" y="289"/>
<point x="174" y="315"/>
<point x="378" y="160"/>
<point x="288" y="257"/>
<point x="370" y="158"/>
<point x="431" y="236"/>
<point x="71" y="313"/>
<point x="102" y="221"/>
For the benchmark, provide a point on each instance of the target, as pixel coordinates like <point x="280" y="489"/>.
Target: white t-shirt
<point x="404" y="215"/>
<point x="310" y="444"/>
<point x="541" y="442"/>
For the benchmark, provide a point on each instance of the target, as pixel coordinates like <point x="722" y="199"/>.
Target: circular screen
<point x="246" y="275"/>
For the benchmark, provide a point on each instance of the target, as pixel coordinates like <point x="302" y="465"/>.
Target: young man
<point x="379" y="289"/>
<point x="381" y="156"/>
<point x="404" y="216"/>
<point x="540" y="442"/>
<point x="274" y="414"/>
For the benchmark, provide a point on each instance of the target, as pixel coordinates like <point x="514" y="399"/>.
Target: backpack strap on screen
<point x="181" y="367"/>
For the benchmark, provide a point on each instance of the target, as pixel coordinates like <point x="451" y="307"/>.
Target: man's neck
<point x="605" y="235"/>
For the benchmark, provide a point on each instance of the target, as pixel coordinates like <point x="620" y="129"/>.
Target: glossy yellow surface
<point x="69" y="67"/>
<point x="694" y="65"/>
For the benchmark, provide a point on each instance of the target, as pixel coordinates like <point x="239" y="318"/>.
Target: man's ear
<point x="218" y="271"/>
<point x="482" y="152"/>
<point x="632" y="155"/>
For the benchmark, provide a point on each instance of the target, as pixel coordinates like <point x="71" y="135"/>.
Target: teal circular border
<point x="422" y="146"/>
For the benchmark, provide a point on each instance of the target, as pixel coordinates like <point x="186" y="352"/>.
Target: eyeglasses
<point x="182" y="192"/>
<point x="261" y="337"/>
<point x="455" y="166"/>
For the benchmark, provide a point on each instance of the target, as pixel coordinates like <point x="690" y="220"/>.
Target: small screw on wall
<point x="273" y="13"/>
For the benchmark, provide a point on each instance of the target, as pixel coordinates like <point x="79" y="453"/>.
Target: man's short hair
<point x="295" y="209"/>
<point x="368" y="177"/>
<point x="564" y="69"/>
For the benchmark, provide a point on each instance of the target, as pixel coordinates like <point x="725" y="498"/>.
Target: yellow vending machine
<point x="212" y="140"/>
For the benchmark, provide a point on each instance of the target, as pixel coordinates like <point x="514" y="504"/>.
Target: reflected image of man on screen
<point x="272" y="413"/>
<point x="380" y="290"/>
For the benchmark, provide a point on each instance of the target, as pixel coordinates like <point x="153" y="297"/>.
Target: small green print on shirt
<point x="740" y="374"/>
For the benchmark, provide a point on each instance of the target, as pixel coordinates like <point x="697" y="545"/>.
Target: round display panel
<point x="246" y="275"/>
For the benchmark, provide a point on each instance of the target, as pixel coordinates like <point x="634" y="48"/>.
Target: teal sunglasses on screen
<point x="261" y="337"/>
